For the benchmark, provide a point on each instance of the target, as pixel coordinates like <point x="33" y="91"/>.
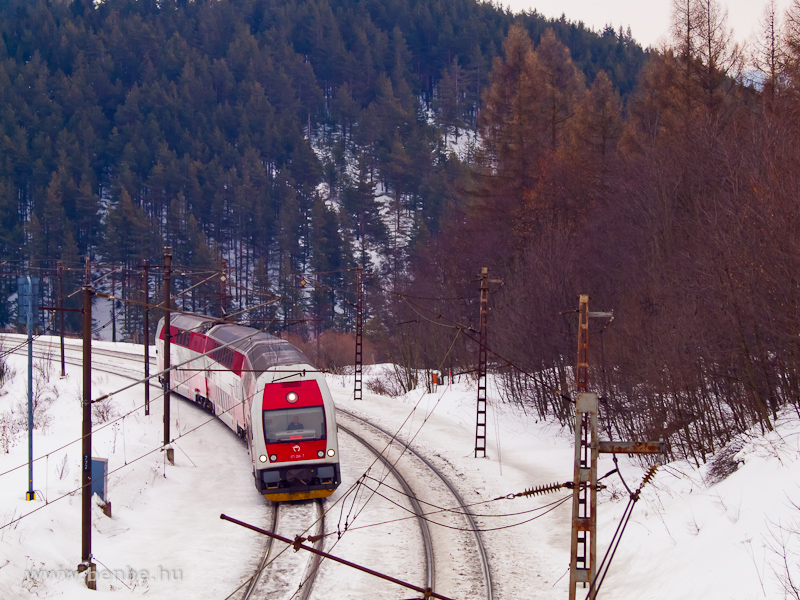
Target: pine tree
<point x="720" y="57"/>
<point x="511" y="124"/>
<point x="363" y="210"/>
<point x="561" y="82"/>
<point x="448" y="101"/>
<point x="70" y="258"/>
<point x="515" y="142"/>
<point x="596" y="127"/>
<point x="791" y="36"/>
<point x="769" y="52"/>
<point x="53" y="221"/>
<point x="128" y="236"/>
<point x="326" y="257"/>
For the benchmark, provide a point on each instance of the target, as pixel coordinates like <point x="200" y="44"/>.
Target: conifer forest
<point x="278" y="145"/>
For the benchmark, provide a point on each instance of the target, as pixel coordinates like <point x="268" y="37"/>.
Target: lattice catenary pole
<point x="480" y="417"/>
<point x="583" y="545"/>
<point x="167" y="350"/>
<point x="146" y="328"/>
<point x="359" y="333"/>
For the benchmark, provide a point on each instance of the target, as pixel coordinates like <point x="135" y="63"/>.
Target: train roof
<point x="261" y="349"/>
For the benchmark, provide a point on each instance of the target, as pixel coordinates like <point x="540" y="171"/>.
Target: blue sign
<point x="100" y="478"/>
<point x="27" y="297"/>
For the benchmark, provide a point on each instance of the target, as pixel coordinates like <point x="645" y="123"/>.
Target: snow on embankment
<point x="717" y="531"/>
<point x="164" y="538"/>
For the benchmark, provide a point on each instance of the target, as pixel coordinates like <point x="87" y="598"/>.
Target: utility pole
<point x="27" y="291"/>
<point x="167" y="337"/>
<point x="30" y="495"/>
<point x="583" y="546"/>
<point x="86" y="446"/>
<point x="61" y="314"/>
<point x="223" y="290"/>
<point x="146" y="327"/>
<point x="359" y="332"/>
<point x="483" y="323"/>
<point x="113" y="306"/>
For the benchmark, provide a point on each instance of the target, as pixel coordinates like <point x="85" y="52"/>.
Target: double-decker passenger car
<point x="265" y="389"/>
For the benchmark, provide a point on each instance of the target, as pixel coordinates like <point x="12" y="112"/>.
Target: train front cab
<point x="300" y="456"/>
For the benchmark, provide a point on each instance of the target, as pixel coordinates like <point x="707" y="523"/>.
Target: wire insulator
<point x="649" y="475"/>
<point x="542" y="489"/>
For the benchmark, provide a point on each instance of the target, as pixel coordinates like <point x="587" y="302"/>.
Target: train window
<point x="290" y="425"/>
<point x="197" y="342"/>
<point x="182" y="338"/>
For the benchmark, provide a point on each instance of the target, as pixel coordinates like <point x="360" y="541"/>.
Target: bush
<point x="102" y="411"/>
<point x="724" y="462"/>
<point x="333" y="350"/>
<point x="390" y="381"/>
<point x="9" y="427"/>
<point x="6" y="372"/>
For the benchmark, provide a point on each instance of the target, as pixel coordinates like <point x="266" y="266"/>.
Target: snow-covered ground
<point x="687" y="538"/>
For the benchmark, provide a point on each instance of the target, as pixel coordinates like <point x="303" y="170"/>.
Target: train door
<point x="237" y="408"/>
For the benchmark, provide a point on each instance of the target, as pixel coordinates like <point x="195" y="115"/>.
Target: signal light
<point x="331" y="452"/>
<point x="263" y="458"/>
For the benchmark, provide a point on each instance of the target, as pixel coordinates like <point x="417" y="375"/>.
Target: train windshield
<point x="294" y="424"/>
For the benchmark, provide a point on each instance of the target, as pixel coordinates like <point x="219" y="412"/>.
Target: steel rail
<point x="78" y="348"/>
<point x="430" y="574"/>
<point x="251" y="587"/>
<point x="311" y="570"/>
<point x="310" y="575"/>
<point x="255" y="588"/>
<point x="77" y="363"/>
<point x="48" y="345"/>
<point x="470" y="519"/>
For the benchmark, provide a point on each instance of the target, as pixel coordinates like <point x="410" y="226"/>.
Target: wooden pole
<point x="113" y="306"/>
<point x="167" y="338"/>
<point x="146" y="327"/>
<point x="61" y="314"/>
<point x="30" y="300"/>
<point x="86" y="445"/>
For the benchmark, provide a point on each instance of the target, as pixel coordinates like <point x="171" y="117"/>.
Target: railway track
<point x="275" y="577"/>
<point x="277" y="567"/>
<point x="78" y="362"/>
<point x="51" y="348"/>
<point x="464" y="587"/>
<point x="281" y="570"/>
<point x="283" y="574"/>
<point x="430" y="574"/>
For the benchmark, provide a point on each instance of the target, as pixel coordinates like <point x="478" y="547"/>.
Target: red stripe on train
<point x="288" y="452"/>
<point x="275" y="394"/>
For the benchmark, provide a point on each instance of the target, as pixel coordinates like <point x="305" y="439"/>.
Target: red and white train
<point x="265" y="390"/>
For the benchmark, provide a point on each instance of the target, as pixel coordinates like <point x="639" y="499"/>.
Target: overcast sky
<point x="649" y="19"/>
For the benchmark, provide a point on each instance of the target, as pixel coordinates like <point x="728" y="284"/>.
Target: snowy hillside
<point x="687" y="538"/>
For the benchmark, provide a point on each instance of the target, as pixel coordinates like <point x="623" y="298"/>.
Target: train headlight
<point x="273" y="457"/>
<point x="263" y="458"/>
<point x="292" y="397"/>
<point x="331" y="452"/>
<point x="321" y="454"/>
